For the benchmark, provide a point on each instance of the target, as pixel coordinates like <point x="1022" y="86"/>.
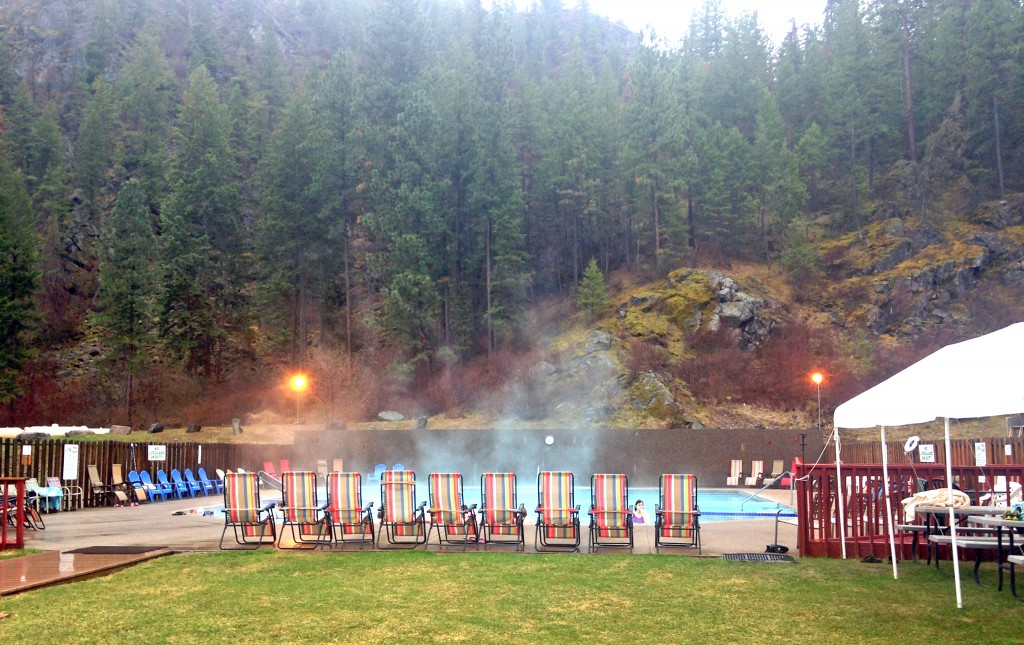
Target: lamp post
<point x="299" y="384"/>
<point x="817" y="378"/>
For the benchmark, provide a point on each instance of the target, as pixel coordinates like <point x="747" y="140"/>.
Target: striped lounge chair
<point x="402" y="523"/>
<point x="558" y="516"/>
<point x="454" y="521"/>
<point x="251" y="523"/>
<point x="735" y="473"/>
<point x="301" y="511"/>
<point x="611" y="520"/>
<point x="677" y="521"/>
<point x="501" y="516"/>
<point x="756" y="473"/>
<point x="350" y="521"/>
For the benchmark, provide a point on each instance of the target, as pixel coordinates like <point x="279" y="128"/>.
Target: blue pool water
<point x="715" y="505"/>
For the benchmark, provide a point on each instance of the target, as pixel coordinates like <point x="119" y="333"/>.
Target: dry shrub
<point x="644" y="356"/>
<point x="716" y="371"/>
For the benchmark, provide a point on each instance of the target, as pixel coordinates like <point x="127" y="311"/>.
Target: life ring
<point x="911" y="444"/>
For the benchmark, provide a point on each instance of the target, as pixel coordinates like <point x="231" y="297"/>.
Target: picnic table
<point x="1012" y="527"/>
<point x="934" y="516"/>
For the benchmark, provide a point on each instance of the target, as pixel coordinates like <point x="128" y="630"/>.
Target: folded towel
<point x="936" y="497"/>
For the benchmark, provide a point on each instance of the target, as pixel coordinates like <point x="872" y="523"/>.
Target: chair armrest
<point x="366" y="509"/>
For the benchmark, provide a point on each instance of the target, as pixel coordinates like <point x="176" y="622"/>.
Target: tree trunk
<point x="908" y="93"/>
<point x="999" y="145"/>
<point x="348" y="299"/>
<point x="490" y="322"/>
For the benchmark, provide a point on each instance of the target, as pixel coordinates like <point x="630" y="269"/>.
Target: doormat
<point x="759" y="557"/>
<point x="116" y="550"/>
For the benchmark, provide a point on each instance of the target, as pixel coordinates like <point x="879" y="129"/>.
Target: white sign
<point x="157" y="453"/>
<point x="26" y="450"/>
<point x="980" y="454"/>
<point x="1008" y="449"/>
<point x="927" y="452"/>
<point x="70" y="461"/>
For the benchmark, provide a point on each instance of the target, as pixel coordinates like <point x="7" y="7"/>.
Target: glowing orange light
<point x="817" y="378"/>
<point x="298" y="383"/>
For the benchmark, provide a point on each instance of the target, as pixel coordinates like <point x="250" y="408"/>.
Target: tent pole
<point x="839" y="494"/>
<point x="888" y="506"/>
<point x="952" y="520"/>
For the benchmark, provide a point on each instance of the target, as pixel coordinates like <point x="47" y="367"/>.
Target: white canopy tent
<point x="982" y="377"/>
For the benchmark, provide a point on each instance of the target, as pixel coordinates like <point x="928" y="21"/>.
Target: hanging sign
<point x="157" y="453"/>
<point x="70" y="470"/>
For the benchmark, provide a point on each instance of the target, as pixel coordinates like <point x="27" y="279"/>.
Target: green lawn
<point x="270" y="596"/>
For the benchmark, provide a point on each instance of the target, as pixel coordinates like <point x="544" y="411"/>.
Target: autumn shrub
<point x="643" y="356"/>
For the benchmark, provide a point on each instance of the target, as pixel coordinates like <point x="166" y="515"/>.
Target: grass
<point x="272" y="596"/>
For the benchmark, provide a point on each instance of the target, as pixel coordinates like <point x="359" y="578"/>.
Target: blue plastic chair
<point x="136" y="483"/>
<point x="154" y="489"/>
<point x="217" y="485"/>
<point x="196" y="486"/>
<point x="377" y="471"/>
<point x="161" y="477"/>
<point x="398" y="467"/>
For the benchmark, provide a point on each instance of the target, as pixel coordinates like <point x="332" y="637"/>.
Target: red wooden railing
<point x="863" y="490"/>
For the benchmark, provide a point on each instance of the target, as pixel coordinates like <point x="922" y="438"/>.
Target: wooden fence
<point x="964" y="452"/>
<point x="863" y="491"/>
<point x="42" y="459"/>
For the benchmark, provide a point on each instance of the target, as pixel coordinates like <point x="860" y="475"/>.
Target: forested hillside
<point x="402" y="196"/>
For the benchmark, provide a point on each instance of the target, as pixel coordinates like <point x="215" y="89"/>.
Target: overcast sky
<point x="671" y="18"/>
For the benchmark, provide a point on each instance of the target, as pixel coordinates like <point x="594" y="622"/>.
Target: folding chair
<point x="558" y="515"/>
<point x="402" y="523"/>
<point x="350" y="520"/>
<point x="677" y="516"/>
<point x="611" y="520"/>
<point x="243" y="513"/>
<point x="454" y="521"/>
<point x="501" y="516"/>
<point x="300" y="510"/>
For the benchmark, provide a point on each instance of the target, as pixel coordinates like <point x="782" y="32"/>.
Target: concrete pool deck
<point x="153" y="529"/>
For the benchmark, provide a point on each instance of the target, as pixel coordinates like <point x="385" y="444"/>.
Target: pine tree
<point x="127" y="293"/>
<point x="592" y="295"/>
<point x="202" y="282"/>
<point x="18" y="278"/>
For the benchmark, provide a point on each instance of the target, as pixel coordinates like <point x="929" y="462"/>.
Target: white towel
<point x="936" y="497"/>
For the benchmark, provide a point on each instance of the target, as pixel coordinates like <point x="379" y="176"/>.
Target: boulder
<point x="421" y="423"/>
<point x="236" y="426"/>
<point x="120" y="430"/>
<point x="391" y="415"/>
<point x="155" y="428"/>
<point x="79" y="433"/>
<point x="193" y="428"/>
<point x="32" y="436"/>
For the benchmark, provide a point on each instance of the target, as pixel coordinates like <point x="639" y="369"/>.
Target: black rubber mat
<point x="116" y="550"/>
<point x="759" y="557"/>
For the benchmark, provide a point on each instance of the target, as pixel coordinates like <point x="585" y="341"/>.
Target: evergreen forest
<point x="199" y="196"/>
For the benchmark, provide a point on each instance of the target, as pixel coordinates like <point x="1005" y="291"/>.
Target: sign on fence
<point x="70" y="470"/>
<point x="980" y="454"/>
<point x="927" y="452"/>
<point x="157" y="452"/>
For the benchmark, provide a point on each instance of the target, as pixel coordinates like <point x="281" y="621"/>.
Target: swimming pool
<point x="715" y="504"/>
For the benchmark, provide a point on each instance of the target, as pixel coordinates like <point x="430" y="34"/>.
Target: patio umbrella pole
<point x="839" y="492"/>
<point x="888" y="505"/>
<point x="952" y="520"/>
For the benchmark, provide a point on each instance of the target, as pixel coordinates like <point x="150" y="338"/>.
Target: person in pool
<point x="640" y="515"/>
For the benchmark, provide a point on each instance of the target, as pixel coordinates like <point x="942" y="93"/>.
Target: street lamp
<point x="299" y="384"/>
<point x="817" y="378"/>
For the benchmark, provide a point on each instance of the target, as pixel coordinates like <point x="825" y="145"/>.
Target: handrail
<point x="764" y="488"/>
<point x="270" y="480"/>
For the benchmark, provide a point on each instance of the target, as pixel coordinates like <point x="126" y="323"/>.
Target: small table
<point x="1013" y="527"/>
